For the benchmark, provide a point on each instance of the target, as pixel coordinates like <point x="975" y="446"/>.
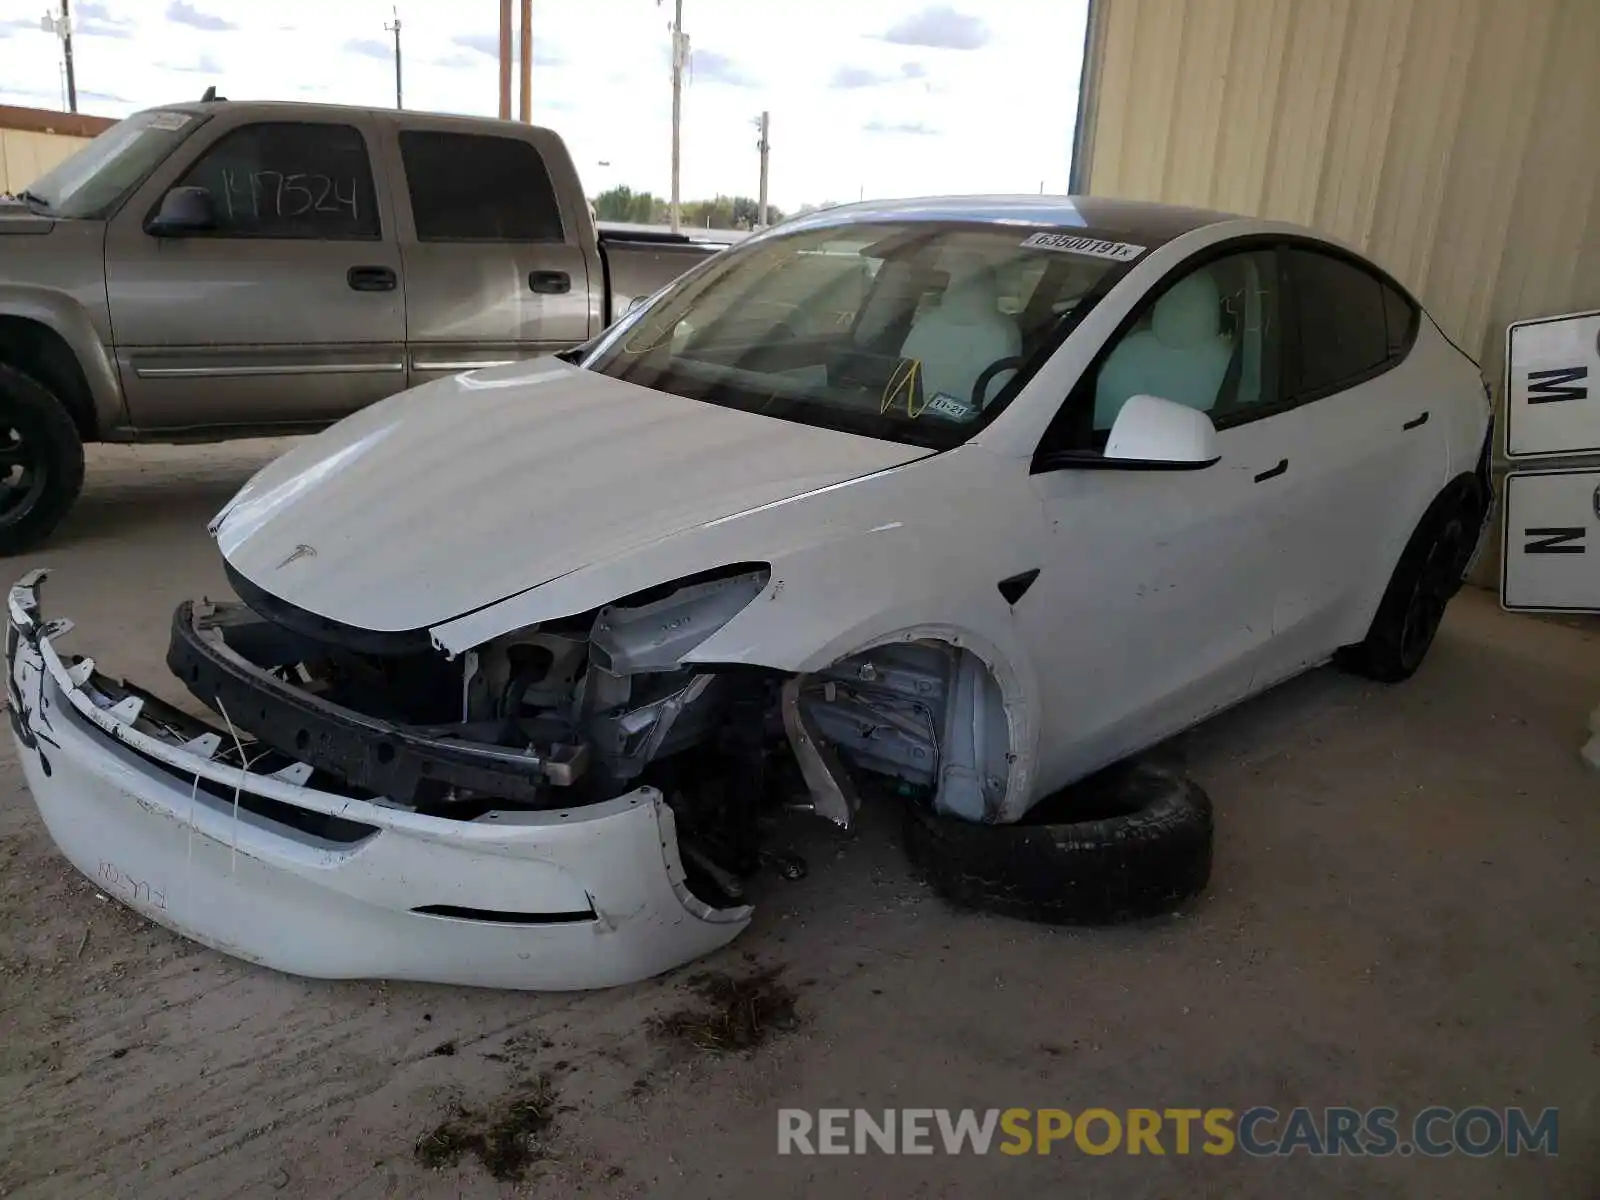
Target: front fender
<point x="65" y="316"/>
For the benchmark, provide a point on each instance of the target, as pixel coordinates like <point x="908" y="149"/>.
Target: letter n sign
<point x="1546" y="564"/>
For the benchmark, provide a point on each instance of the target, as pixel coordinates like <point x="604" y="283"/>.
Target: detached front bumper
<point x="267" y="868"/>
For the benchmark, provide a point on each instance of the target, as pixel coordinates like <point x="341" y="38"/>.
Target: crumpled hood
<point x="467" y="490"/>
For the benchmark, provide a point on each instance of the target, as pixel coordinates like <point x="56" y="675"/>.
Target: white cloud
<point x="860" y="77"/>
<point x="183" y="13"/>
<point x="939" y="26"/>
<point x="371" y="48"/>
<point x="710" y="66"/>
<point x="997" y="117"/>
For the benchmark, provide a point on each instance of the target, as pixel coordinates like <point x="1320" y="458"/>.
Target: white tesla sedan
<point x="971" y="496"/>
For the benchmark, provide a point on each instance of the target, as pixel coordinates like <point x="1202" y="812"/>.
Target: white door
<point x="1160" y="588"/>
<point x="1368" y="456"/>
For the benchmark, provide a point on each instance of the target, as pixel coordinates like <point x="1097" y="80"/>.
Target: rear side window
<point x="1341" y="328"/>
<point x="476" y="188"/>
<point x="289" y="179"/>
<point x="1400" y="321"/>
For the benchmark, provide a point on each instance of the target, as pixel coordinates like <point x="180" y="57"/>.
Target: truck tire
<point x="41" y="461"/>
<point x="1428" y="574"/>
<point x="1131" y="842"/>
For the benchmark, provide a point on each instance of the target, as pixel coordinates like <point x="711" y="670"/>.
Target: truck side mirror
<point x="183" y="210"/>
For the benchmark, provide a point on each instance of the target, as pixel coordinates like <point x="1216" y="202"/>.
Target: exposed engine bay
<point x="579" y="710"/>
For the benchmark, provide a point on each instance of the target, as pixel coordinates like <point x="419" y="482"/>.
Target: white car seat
<point x="961" y="336"/>
<point x="1182" y="357"/>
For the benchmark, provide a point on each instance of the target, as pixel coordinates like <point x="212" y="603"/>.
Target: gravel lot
<point x="1402" y="912"/>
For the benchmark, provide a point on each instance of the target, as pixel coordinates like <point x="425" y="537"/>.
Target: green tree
<point x="622" y="203"/>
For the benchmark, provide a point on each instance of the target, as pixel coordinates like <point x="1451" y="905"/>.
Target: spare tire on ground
<point x="1133" y="841"/>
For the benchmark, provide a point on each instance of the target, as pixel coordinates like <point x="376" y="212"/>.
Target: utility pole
<point x="680" y="56"/>
<point x="66" y="54"/>
<point x="761" y="204"/>
<point x="395" y="29"/>
<point x="526" y="47"/>
<point x="505" y="60"/>
<point x="62" y="27"/>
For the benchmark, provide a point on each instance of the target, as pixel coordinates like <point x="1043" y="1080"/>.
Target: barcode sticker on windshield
<point x="170" y="121"/>
<point x="1072" y="243"/>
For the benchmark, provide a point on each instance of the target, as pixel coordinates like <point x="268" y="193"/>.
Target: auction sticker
<point x="1073" y="243"/>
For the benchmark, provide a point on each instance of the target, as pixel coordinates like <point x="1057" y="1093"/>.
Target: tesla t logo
<point x="299" y="552"/>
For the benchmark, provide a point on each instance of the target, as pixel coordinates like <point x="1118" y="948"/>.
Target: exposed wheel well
<point x="40" y="352"/>
<point x="927" y="712"/>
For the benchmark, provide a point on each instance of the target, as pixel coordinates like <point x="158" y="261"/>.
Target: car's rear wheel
<point x="1428" y="574"/>
<point x="41" y="461"/>
<point x="1133" y="841"/>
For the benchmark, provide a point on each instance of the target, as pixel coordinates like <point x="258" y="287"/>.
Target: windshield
<point x="916" y="332"/>
<point x="92" y="181"/>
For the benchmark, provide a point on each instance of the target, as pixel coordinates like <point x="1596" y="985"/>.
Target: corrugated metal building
<point x="1456" y="141"/>
<point x="33" y="140"/>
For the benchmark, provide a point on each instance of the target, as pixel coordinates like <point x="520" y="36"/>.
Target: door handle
<point x="1415" y="421"/>
<point x="549" y="283"/>
<point x="1273" y="472"/>
<point x="371" y="279"/>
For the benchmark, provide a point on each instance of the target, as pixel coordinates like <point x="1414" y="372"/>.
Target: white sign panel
<point x="1551" y="558"/>
<point x="1552" y="386"/>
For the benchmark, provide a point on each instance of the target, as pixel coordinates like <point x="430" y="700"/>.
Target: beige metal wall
<point x="1457" y="141"/>
<point x="26" y="154"/>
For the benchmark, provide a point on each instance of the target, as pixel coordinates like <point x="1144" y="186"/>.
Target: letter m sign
<point x="1559" y="383"/>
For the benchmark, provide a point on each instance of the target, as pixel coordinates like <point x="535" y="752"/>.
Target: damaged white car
<point x="969" y="498"/>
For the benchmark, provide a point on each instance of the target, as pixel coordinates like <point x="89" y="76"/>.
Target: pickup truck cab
<point x="217" y="270"/>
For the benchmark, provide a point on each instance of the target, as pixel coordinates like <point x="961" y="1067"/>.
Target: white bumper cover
<point x="249" y="864"/>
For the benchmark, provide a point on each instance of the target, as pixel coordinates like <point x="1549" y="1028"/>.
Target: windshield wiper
<point x="28" y="197"/>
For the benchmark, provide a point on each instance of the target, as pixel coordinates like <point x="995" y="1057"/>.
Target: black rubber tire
<point x="1131" y="842"/>
<point x="1428" y="574"/>
<point x="37" y="426"/>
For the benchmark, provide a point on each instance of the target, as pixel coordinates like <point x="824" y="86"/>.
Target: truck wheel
<point x="1131" y="842"/>
<point x="41" y="461"/>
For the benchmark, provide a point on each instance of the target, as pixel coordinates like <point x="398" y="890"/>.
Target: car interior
<point x="1204" y="343"/>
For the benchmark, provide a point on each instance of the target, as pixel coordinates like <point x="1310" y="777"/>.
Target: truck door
<point x="288" y="311"/>
<point x="495" y="270"/>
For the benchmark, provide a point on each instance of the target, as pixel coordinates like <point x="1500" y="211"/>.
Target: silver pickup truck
<point x="217" y="270"/>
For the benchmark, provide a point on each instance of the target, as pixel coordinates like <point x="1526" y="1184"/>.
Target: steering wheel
<point x="981" y="387"/>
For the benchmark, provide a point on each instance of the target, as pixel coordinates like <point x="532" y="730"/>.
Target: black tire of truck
<point x="41" y="461"/>
<point x="1425" y="579"/>
<point x="1129" y="843"/>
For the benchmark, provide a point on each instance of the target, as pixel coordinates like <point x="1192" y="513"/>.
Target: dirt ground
<point x="1402" y="913"/>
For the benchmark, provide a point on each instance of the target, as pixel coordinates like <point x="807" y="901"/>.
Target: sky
<point x="873" y="98"/>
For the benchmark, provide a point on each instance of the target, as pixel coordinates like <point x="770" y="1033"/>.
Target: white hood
<point x="464" y="491"/>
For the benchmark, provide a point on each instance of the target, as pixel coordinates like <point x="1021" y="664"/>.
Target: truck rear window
<point x="468" y="187"/>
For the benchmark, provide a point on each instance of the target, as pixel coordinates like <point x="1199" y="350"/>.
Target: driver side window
<point x="1209" y="340"/>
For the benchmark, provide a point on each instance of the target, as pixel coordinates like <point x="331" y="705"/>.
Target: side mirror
<point x="1158" y="434"/>
<point x="183" y="210"/>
